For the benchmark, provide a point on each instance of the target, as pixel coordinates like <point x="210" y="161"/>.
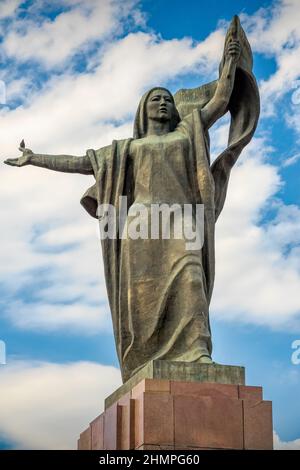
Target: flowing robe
<point x="159" y="293"/>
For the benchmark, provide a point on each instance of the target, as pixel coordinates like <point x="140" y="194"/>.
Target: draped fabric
<point x="180" y="297"/>
<point x="244" y="108"/>
<point x="112" y="167"/>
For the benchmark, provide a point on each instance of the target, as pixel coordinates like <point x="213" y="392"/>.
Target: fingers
<point x="12" y="161"/>
<point x="234" y="46"/>
<point x="233" y="49"/>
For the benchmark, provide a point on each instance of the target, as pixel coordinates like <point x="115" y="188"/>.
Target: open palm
<point x="21" y="161"/>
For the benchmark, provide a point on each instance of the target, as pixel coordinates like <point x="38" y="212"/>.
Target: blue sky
<point x="74" y="71"/>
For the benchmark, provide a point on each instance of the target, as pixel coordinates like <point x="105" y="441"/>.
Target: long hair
<point x="141" y="118"/>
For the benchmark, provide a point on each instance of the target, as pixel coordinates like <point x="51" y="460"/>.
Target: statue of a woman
<point x="159" y="291"/>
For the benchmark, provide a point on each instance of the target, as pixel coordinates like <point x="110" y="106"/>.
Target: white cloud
<point x="282" y="445"/>
<point x="257" y="265"/>
<point x="83" y="104"/>
<point x="72" y="113"/>
<point x="78" y="317"/>
<point x="8" y="7"/>
<point x="47" y="405"/>
<point x="293" y="121"/>
<point x="292" y="160"/>
<point x="275" y="32"/>
<point x="49" y="245"/>
<point x="53" y="41"/>
<point x="57" y="402"/>
<point x="272" y="28"/>
<point x="48" y="232"/>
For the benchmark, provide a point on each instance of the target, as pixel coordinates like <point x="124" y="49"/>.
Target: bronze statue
<point x="159" y="291"/>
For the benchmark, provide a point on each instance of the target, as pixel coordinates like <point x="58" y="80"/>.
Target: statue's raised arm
<point x="64" y="163"/>
<point x="218" y="105"/>
<point x="235" y="91"/>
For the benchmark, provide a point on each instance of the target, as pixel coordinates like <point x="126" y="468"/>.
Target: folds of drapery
<point x="110" y="169"/>
<point x="109" y="165"/>
<point x="244" y="108"/>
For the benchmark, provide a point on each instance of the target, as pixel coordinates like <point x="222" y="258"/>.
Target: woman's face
<point x="160" y="105"/>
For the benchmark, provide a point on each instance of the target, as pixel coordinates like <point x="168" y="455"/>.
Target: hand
<point x="233" y="50"/>
<point x="21" y="161"/>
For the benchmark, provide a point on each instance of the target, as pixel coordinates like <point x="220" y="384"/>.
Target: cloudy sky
<point x="74" y="71"/>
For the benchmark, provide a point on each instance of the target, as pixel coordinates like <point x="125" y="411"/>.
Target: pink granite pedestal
<point x="172" y="414"/>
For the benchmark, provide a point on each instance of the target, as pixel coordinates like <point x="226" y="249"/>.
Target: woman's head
<point x="157" y="104"/>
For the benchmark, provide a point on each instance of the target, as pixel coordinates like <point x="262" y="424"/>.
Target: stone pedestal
<point x="172" y="406"/>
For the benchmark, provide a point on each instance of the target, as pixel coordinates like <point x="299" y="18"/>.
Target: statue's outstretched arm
<point x="65" y="163"/>
<point x="218" y="105"/>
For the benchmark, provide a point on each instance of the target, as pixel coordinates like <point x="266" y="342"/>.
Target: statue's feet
<point x="205" y="360"/>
